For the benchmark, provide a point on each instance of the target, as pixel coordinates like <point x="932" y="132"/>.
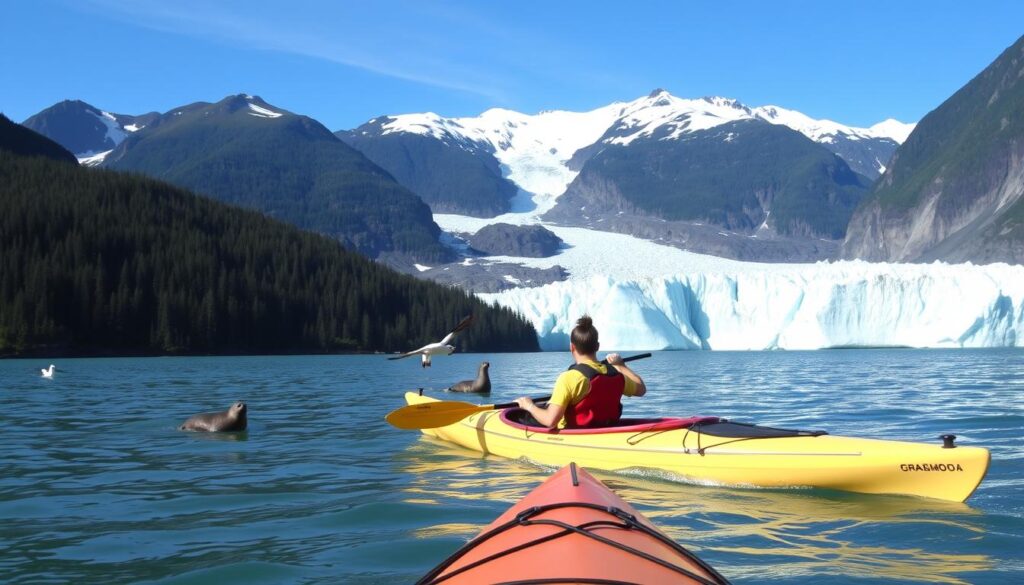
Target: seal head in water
<point x="232" y="419"/>
<point x="481" y="385"/>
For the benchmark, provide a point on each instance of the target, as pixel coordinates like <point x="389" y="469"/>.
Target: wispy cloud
<point x="345" y="36"/>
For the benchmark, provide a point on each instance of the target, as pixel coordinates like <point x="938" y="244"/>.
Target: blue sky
<point x="346" y="62"/>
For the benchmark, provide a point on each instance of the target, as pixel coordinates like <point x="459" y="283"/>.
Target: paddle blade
<point x="431" y="415"/>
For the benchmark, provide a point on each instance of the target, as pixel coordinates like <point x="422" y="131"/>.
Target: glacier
<point x="825" y="305"/>
<point x="644" y="295"/>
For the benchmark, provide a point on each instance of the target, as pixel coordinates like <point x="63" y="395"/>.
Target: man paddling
<point x="589" y="393"/>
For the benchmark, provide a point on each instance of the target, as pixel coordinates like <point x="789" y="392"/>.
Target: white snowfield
<point x="261" y="112"/>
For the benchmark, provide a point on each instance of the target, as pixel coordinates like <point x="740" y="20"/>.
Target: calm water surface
<point x="98" y="486"/>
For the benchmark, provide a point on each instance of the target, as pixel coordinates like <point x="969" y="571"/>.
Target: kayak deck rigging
<point x="559" y="516"/>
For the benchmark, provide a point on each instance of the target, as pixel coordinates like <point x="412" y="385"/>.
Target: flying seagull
<point x="439" y="348"/>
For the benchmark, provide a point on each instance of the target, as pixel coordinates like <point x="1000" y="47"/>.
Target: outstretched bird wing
<point x="409" y="353"/>
<point x="464" y="324"/>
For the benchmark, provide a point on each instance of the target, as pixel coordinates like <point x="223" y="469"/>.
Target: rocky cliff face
<point x="955" y="190"/>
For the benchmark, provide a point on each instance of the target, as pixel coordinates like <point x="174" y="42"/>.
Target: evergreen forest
<point x="98" y="262"/>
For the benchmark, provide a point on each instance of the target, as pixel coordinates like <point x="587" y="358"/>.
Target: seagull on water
<point x="439" y="348"/>
<point x="47" y="373"/>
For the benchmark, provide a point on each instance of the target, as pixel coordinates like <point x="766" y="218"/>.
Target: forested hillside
<point x="451" y="176"/>
<point x="95" y="261"/>
<point x="955" y="189"/>
<point x="244" y="151"/>
<point x="16" y="139"/>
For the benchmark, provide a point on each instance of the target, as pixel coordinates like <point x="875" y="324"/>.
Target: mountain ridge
<point x="538" y="156"/>
<point x="87" y="131"/>
<point x="955" y="188"/>
<point x="244" y="151"/>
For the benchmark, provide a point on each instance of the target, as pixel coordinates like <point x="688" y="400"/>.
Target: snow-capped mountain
<point x="713" y="163"/>
<point x="866" y="150"/>
<point x="826" y="130"/>
<point x="542" y="153"/>
<point x="671" y="117"/>
<point x="87" y="131"/>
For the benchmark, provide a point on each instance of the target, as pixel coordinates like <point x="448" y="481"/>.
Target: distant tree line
<point x="95" y="261"/>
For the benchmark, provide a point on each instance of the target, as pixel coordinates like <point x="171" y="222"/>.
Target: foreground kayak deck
<point x="695" y="452"/>
<point x="572" y="529"/>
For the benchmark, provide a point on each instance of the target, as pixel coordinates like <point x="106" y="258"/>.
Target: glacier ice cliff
<point x="824" y="305"/>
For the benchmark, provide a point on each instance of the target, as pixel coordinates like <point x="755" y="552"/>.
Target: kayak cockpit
<point x="520" y="419"/>
<point x="709" y="425"/>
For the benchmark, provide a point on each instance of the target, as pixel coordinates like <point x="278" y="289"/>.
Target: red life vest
<point x="602" y="406"/>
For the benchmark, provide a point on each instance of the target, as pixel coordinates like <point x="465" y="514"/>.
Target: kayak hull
<point x="825" y="461"/>
<point x="572" y="529"/>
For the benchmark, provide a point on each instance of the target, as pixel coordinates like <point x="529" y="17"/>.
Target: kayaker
<point x="589" y="393"/>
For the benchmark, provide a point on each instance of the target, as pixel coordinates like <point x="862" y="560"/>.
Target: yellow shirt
<point x="572" y="386"/>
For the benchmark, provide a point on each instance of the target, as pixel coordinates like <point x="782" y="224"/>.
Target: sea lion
<point x="232" y="419"/>
<point x="482" y="384"/>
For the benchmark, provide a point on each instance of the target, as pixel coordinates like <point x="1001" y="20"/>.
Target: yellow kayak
<point x="708" y="449"/>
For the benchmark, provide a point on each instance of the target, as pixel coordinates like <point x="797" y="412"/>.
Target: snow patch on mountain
<point x="92" y="160"/>
<point x="261" y="112"/>
<point x="894" y="129"/>
<point x="114" y="134"/>
<point x="663" y="111"/>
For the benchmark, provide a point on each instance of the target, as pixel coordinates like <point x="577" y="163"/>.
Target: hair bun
<point x="585" y="322"/>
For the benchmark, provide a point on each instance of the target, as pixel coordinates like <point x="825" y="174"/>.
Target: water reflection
<point x="760" y="533"/>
